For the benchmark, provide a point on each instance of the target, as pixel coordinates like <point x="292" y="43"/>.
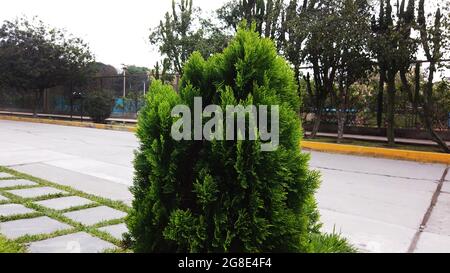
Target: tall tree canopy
<point x="394" y="49"/>
<point x="336" y="47"/>
<point x="434" y="40"/>
<point x="34" y="56"/>
<point x="183" y="31"/>
<point x="264" y="13"/>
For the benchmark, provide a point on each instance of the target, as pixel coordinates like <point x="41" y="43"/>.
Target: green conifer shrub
<point x="99" y="105"/>
<point x="224" y="196"/>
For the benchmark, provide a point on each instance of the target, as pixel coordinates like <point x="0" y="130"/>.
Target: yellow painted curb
<point x="70" y="123"/>
<point x="425" y="157"/>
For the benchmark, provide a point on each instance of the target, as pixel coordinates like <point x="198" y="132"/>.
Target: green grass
<point x="330" y="243"/>
<point x="7" y="246"/>
<point x="420" y="148"/>
<point x="18" y="245"/>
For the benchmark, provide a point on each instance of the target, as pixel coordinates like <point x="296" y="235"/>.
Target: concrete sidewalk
<point x="379" y="204"/>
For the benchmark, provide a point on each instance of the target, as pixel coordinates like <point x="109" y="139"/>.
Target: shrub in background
<point x="99" y="105"/>
<point x="224" y="196"/>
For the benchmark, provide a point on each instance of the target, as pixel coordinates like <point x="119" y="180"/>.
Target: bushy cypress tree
<point x="224" y="196"/>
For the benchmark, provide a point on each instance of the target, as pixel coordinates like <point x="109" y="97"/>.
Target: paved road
<point x="378" y="204"/>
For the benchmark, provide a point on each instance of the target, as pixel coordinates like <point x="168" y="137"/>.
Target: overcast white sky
<point x="116" y="30"/>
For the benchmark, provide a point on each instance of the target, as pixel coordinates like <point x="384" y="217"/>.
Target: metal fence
<point x="128" y="93"/>
<point x="68" y="100"/>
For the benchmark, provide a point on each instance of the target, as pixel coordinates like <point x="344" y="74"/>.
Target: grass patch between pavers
<point x="58" y="215"/>
<point x="8" y="246"/>
<point x="20" y="216"/>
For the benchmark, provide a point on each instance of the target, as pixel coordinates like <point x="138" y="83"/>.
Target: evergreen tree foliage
<point x="99" y="105"/>
<point x="224" y="196"/>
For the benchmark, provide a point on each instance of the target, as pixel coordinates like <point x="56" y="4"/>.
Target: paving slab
<point x="2" y="198"/>
<point x="73" y="243"/>
<point x="14" y="209"/>
<point x="116" y="231"/>
<point x="366" y="234"/>
<point x="36" y="192"/>
<point x="433" y="243"/>
<point x="35" y="226"/>
<point x="16" y="183"/>
<point x="82" y="182"/>
<point x="6" y="175"/>
<point x="64" y="202"/>
<point x="92" y="216"/>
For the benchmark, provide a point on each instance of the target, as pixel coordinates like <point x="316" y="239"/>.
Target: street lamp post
<point x="144" y="87"/>
<point x="124" y="87"/>
<point x="124" y="81"/>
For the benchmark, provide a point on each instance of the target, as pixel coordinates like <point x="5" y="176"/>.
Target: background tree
<point x="293" y="33"/>
<point x="264" y="13"/>
<point x="104" y="70"/>
<point x="394" y="48"/>
<point x="441" y="95"/>
<point x="182" y="32"/>
<point x="354" y="63"/>
<point x="161" y="71"/>
<point x="435" y="41"/>
<point x="322" y="51"/>
<point x="137" y="77"/>
<point x="35" y="57"/>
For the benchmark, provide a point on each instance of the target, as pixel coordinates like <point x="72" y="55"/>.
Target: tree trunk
<point x="380" y="99"/>
<point x="38" y="95"/>
<point x="341" y="116"/>
<point x="297" y="80"/>
<point x="316" y="127"/>
<point x="341" y="102"/>
<point x="433" y="134"/>
<point x="391" y="112"/>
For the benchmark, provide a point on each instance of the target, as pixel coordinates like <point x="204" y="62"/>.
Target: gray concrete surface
<point x="92" y="216"/>
<point x="64" y="202"/>
<point x="378" y="204"/>
<point x="73" y="243"/>
<point x="34" y="226"/>
<point x="94" y="161"/>
<point x="5" y="175"/>
<point x="116" y="231"/>
<point x="36" y="192"/>
<point x="15" y="183"/>
<point x="14" y="209"/>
